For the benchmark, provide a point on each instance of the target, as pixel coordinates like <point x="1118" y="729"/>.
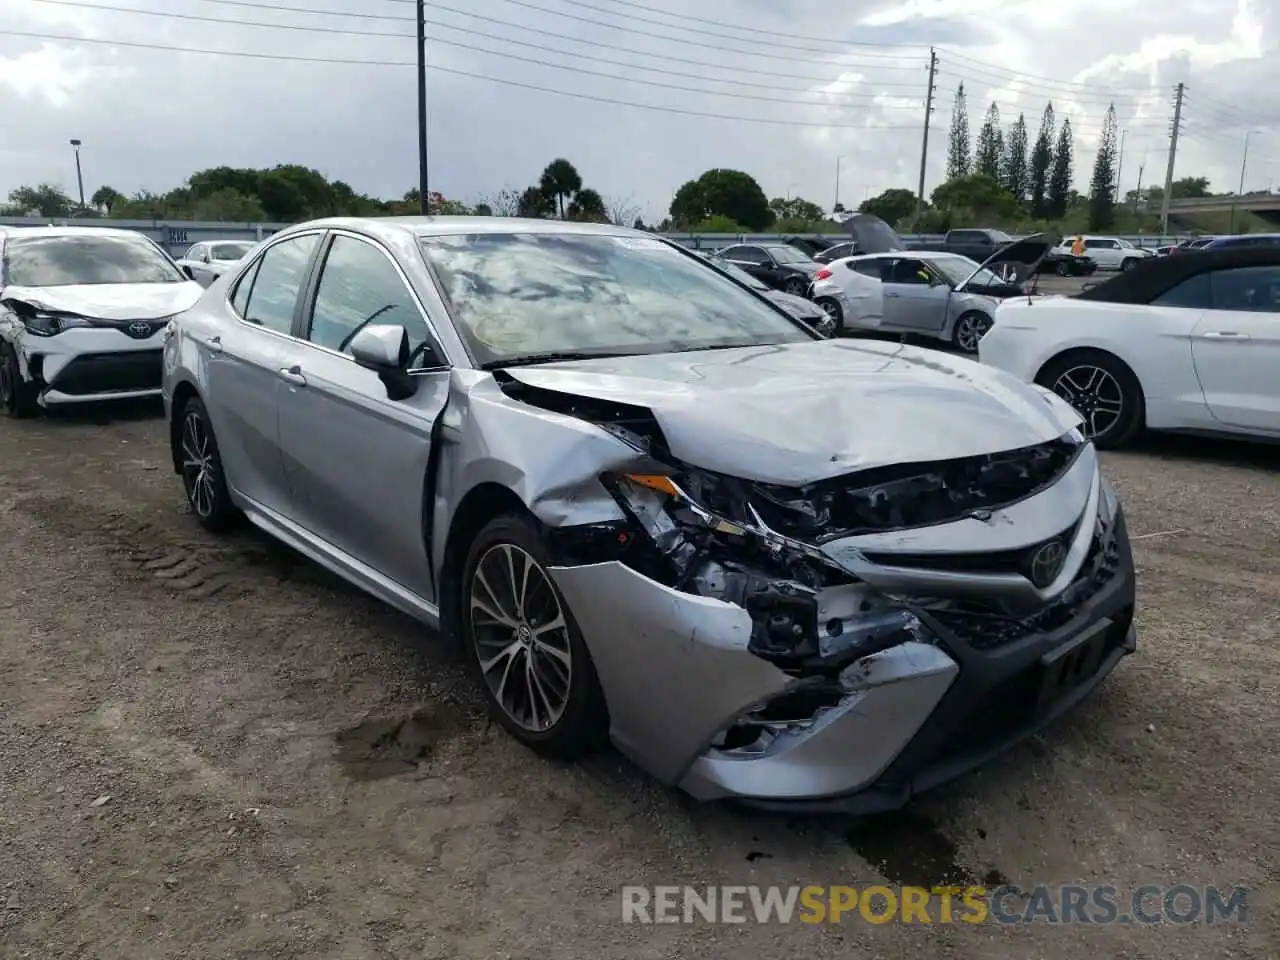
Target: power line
<point x="716" y="34"/>
<point x="856" y="98"/>
<point x="991" y="79"/>
<point x="291" y="58"/>
<point x="783" y="75"/>
<point x="1128" y="123"/>
<point x="1031" y="76"/>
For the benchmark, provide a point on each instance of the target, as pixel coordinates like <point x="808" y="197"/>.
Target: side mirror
<point x="384" y="348"/>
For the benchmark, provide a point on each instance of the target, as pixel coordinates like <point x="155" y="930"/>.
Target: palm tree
<point x="558" y="183"/>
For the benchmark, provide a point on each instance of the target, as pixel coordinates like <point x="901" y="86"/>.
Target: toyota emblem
<point x="1046" y="563"/>
<point x="139" y="329"/>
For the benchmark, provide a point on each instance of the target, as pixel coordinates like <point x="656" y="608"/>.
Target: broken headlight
<point x="43" y="324"/>
<point x="804" y="608"/>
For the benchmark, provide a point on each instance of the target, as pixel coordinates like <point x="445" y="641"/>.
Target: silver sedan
<point x="655" y="509"/>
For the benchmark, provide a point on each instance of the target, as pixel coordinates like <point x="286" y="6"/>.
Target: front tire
<point x="525" y="646"/>
<point x="1063" y="268"/>
<point x="200" y="463"/>
<point x="1103" y="390"/>
<point x="1128" y="264"/>
<point x="796" y="287"/>
<point x="18" y="398"/>
<point x="969" y="329"/>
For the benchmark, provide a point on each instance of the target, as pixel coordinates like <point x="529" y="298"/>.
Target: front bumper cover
<point x="676" y="672"/>
<point x="88" y="365"/>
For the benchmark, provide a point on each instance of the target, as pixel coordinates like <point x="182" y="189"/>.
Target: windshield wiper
<point x="534" y="358"/>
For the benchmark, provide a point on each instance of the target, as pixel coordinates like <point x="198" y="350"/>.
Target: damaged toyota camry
<point x="654" y="509"/>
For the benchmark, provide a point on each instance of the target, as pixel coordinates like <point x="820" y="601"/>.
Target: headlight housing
<point x="44" y="324"/>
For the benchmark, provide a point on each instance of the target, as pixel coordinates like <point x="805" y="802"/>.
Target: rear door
<point x="356" y="460"/>
<point x="1104" y="252"/>
<point x="1236" y="346"/>
<point x="243" y="368"/>
<point x="753" y="260"/>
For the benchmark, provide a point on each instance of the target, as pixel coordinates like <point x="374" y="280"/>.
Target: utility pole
<point x="422" y="108"/>
<point x="1137" y="192"/>
<point x="928" y="116"/>
<point x="1173" y="155"/>
<point x="1124" y="134"/>
<point x="835" y="207"/>
<point x="1244" y="160"/>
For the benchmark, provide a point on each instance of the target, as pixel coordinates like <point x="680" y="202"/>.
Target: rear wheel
<point x="969" y="330"/>
<point x="524" y="644"/>
<point x="831" y="307"/>
<point x="1128" y="264"/>
<point x="1063" y="268"/>
<point x="1103" y="390"/>
<point x="18" y="398"/>
<point x="796" y="286"/>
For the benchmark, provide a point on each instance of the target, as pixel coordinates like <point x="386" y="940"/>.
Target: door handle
<point x="214" y="344"/>
<point x="293" y="375"/>
<point x="1224" y="335"/>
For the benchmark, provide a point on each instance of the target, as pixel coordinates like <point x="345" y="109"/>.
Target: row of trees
<point x="290" y="192"/>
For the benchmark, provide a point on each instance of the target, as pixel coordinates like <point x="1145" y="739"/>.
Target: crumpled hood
<point x="796" y="306"/>
<point x="793" y="414"/>
<point x="112" y="301"/>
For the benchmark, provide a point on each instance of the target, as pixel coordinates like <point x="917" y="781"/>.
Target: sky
<point x="638" y="97"/>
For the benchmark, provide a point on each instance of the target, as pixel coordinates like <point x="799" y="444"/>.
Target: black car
<point x="1066" y="264"/>
<point x="779" y="265"/>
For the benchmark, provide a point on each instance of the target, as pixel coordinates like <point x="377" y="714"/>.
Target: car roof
<point x="1160" y="274"/>
<point x="389" y="228"/>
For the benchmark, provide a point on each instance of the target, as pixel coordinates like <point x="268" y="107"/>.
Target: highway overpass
<point x="1266" y="206"/>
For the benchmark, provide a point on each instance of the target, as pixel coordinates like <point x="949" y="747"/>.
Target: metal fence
<point x="176" y="235"/>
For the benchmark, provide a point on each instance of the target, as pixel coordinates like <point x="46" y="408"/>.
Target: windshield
<point x="68" y="260"/>
<point x="737" y="273"/>
<point x="785" y="253"/>
<point x="956" y="270"/>
<point x="1000" y="236"/>
<point x="519" y="295"/>
<point x="229" y="251"/>
<point x="1125" y="243"/>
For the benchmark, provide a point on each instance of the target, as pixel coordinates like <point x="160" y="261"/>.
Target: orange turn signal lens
<point x="654" y="481"/>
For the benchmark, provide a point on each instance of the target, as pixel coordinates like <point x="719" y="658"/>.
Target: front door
<point x="356" y="461"/>
<point x="243" y="361"/>
<point x="915" y="299"/>
<point x="1104" y="252"/>
<point x="1236" y="346"/>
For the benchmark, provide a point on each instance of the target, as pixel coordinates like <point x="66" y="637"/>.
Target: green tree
<point x="483" y="210"/>
<point x="588" y="205"/>
<point x="796" y="210"/>
<point x="718" y="223"/>
<point x="1102" y="185"/>
<point x="958" y="145"/>
<point x="45" y="199"/>
<point x="976" y="200"/>
<point x="1014" y="166"/>
<point x="104" y="198"/>
<point x="893" y="205"/>
<point x="728" y="193"/>
<point x="1189" y="188"/>
<point x="1061" y="172"/>
<point x="533" y="203"/>
<point x="990" y="150"/>
<point x="228" y="205"/>
<point x="558" y="183"/>
<point x="1041" y="160"/>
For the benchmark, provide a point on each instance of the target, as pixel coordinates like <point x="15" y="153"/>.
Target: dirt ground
<point x="212" y="749"/>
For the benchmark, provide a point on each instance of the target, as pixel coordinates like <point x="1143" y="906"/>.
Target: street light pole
<point x="75" y="145"/>
<point x="422" y="109"/>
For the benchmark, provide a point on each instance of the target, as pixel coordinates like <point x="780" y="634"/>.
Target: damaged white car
<point x="81" y="311"/>
<point x="801" y="572"/>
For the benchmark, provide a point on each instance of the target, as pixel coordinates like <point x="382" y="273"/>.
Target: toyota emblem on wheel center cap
<point x="1046" y="563"/>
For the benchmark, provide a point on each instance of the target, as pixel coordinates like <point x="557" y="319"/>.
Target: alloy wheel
<point x="521" y="637"/>
<point x="198" y="465"/>
<point x="969" y="330"/>
<point x="8" y="378"/>
<point x="1095" y="394"/>
<point x="795" y="287"/>
<point x="1064" y="268"/>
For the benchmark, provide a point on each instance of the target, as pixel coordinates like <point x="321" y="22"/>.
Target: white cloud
<point x="149" y="118"/>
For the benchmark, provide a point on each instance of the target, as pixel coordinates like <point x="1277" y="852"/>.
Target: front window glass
<point x="785" y="253"/>
<point x="522" y="295"/>
<point x="957" y="269"/>
<point x="230" y="251"/>
<point x="70" y="260"/>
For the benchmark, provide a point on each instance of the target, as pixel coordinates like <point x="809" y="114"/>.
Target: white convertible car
<point x="1188" y="343"/>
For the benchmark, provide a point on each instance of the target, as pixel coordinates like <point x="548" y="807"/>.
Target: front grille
<point x="990" y="562"/>
<point x="92" y="373"/>
<point x="983" y="625"/>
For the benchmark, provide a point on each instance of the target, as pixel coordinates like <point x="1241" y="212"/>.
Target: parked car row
<point x="650" y="505"/>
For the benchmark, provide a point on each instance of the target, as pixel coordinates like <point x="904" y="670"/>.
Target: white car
<point x="206" y="261"/>
<point x="1187" y="343"/>
<point x="82" y="315"/>
<point x="1110" y="253"/>
<point x="933" y="294"/>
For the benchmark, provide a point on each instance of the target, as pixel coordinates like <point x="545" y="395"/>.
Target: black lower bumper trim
<point x="94" y="373"/>
<point x="996" y="701"/>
